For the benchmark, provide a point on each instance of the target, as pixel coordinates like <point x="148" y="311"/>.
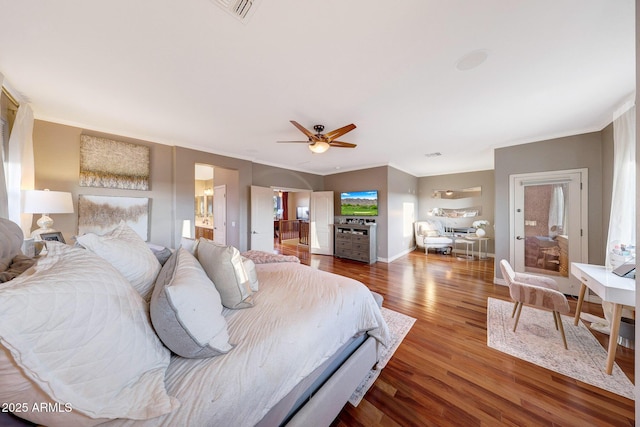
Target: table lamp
<point x="46" y="202"/>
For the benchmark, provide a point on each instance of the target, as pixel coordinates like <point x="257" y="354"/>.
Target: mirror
<point x="468" y="212"/>
<point x="457" y="194"/>
<point x="203" y="196"/>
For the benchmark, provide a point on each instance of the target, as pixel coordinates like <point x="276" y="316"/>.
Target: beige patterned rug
<point x="537" y="341"/>
<point x="399" y="326"/>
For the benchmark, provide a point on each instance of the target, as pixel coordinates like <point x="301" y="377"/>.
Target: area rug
<point x="399" y="326"/>
<point x="537" y="341"/>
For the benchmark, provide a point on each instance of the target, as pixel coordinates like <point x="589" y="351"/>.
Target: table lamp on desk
<point x="46" y="202"/>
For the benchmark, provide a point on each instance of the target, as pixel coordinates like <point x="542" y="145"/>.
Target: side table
<point x="480" y="241"/>
<point x="469" y="243"/>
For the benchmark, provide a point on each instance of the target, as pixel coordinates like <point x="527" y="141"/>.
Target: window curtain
<point x="556" y="211"/>
<point x="622" y="222"/>
<point x="4" y="198"/>
<point x="20" y="167"/>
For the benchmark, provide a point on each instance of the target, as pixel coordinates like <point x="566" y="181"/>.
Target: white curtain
<point x="4" y="199"/>
<point x="20" y="168"/>
<point x="622" y="222"/>
<point x="556" y="211"/>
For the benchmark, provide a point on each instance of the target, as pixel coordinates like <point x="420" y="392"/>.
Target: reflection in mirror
<point x="469" y="212"/>
<point x="204" y="201"/>
<point x="457" y="194"/>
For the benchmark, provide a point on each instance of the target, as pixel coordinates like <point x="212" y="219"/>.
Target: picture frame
<point x="54" y="236"/>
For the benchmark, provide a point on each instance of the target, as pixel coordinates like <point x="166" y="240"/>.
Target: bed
<point x="292" y="355"/>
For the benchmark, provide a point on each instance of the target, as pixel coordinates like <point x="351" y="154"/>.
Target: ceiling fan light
<point x="319" y="147"/>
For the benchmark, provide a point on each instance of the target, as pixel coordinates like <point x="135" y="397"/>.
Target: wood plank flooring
<point x="444" y="374"/>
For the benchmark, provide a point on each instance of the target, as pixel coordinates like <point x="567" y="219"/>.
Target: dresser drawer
<point x="344" y="244"/>
<point x="360" y="256"/>
<point x="360" y="238"/>
<point x="343" y="236"/>
<point x="360" y="246"/>
<point x="344" y="252"/>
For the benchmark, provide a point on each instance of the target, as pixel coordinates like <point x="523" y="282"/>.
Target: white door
<point x="549" y="224"/>
<point x="262" y="219"/>
<point x="220" y="214"/>
<point x="321" y="223"/>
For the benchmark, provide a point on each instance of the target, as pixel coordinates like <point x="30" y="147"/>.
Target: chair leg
<point x="555" y="319"/>
<point x="559" y="321"/>
<point x="515" y="307"/>
<point x="517" y="316"/>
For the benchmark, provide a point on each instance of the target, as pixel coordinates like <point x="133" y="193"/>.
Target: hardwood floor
<point x="444" y="374"/>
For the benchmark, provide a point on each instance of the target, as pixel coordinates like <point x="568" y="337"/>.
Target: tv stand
<point x="356" y="241"/>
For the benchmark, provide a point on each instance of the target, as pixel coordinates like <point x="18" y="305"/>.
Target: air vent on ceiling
<point x="241" y="9"/>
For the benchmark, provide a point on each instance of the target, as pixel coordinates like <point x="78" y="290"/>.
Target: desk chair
<point x="536" y="291"/>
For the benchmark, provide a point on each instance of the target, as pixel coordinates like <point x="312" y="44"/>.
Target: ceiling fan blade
<point x="293" y="142"/>
<point x="339" y="132"/>
<point x="341" y="144"/>
<point x="304" y="130"/>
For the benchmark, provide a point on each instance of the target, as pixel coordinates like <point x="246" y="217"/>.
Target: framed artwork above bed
<point x="113" y="164"/>
<point x="101" y="214"/>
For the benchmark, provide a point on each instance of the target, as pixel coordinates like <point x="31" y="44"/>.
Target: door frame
<point x="220" y="210"/>
<point x="550" y="177"/>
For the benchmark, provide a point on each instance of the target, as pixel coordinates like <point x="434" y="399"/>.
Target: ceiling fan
<point x="319" y="142"/>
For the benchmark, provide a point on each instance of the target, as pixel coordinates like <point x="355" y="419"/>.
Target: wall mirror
<point x="203" y="200"/>
<point x="457" y="194"/>
<point x="468" y="212"/>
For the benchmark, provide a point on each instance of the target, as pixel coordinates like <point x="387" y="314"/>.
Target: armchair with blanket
<point x="430" y="233"/>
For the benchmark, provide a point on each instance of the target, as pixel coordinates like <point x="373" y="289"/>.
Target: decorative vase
<point x="480" y="232"/>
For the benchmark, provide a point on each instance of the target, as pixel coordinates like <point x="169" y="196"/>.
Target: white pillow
<point x="186" y="310"/>
<point x="24" y="395"/>
<point x="224" y="267"/>
<point x="81" y="334"/>
<point x="250" y="268"/>
<point x="128" y="253"/>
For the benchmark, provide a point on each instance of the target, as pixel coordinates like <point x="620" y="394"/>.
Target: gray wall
<point x="234" y="173"/>
<point x="362" y="180"/>
<point x="57" y="164"/>
<point x="458" y="181"/>
<point x="573" y="152"/>
<point x="271" y="176"/>
<point x="402" y="189"/>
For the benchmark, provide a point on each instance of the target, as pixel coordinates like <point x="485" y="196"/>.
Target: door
<point x="262" y="219"/>
<point x="549" y="224"/>
<point x="220" y="214"/>
<point x="321" y="223"/>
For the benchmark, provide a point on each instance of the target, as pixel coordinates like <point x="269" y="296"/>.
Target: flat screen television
<point x="359" y="203"/>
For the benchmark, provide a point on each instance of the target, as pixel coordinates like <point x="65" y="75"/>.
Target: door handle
<point x="254" y="232"/>
<point x="519" y="238"/>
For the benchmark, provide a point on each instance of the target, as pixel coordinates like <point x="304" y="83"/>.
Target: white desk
<point x="609" y="287"/>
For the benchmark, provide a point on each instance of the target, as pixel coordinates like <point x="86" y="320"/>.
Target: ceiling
<point x="187" y="73"/>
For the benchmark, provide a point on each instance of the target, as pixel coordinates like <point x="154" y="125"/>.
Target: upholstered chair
<point x="535" y="291"/>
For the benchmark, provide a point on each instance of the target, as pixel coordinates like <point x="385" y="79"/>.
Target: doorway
<point x="548" y="217"/>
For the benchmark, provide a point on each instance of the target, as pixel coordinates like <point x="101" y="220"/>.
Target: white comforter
<point x="300" y="318"/>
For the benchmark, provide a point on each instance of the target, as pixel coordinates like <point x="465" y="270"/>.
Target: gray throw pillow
<point x="186" y="311"/>
<point x="224" y="267"/>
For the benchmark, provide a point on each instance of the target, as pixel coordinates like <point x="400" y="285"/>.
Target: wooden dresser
<point x="355" y="241"/>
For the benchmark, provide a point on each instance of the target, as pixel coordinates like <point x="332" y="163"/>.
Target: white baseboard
<point x="395" y="257"/>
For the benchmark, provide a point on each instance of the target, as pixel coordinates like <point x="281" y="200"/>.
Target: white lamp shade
<point x="186" y="228"/>
<point x="47" y="202"/>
